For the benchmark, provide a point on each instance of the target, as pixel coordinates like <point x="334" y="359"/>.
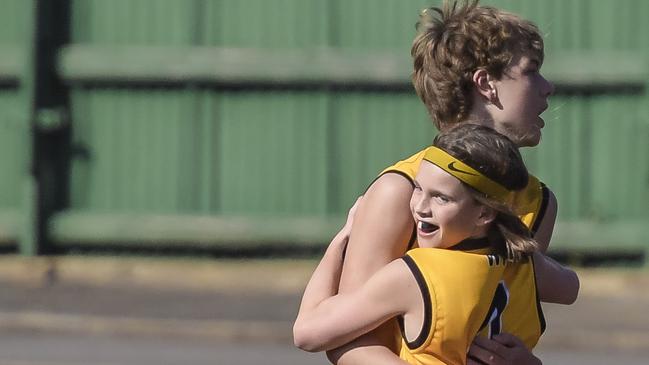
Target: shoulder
<point x="390" y="183"/>
<point x="548" y="204"/>
<point x="382" y="229"/>
<point x="407" y="167"/>
<point x="389" y="194"/>
<point x="553" y="204"/>
<point x="543" y="226"/>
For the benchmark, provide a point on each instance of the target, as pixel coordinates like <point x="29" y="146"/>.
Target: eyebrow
<point x="431" y="191"/>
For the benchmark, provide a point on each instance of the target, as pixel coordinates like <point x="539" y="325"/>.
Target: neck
<point x="473" y="243"/>
<point x="481" y="116"/>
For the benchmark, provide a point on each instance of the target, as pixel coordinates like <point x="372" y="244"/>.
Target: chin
<point x="427" y="243"/>
<point x="529" y="140"/>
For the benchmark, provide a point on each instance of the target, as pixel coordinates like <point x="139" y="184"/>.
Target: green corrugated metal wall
<point x="15" y="141"/>
<point x="594" y="152"/>
<point x="191" y="148"/>
<point x="13" y="111"/>
<point x="246" y="152"/>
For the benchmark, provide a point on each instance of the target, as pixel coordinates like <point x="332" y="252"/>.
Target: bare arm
<point x="381" y="232"/>
<point x="544" y="232"/>
<point x="327" y="321"/>
<point x="556" y="283"/>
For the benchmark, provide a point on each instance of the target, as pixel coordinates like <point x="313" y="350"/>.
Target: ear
<point x="484" y="85"/>
<point x="487" y="215"/>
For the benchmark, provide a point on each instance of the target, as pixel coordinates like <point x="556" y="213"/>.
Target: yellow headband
<point x="467" y="174"/>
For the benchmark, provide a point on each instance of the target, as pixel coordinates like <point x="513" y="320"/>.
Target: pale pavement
<point x="256" y="301"/>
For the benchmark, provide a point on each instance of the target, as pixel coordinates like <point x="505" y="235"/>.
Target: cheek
<point x="413" y="200"/>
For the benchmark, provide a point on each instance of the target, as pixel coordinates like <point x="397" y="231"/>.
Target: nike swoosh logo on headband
<point x="451" y="166"/>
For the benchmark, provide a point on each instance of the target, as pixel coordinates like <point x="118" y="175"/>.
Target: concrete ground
<point x="255" y="301"/>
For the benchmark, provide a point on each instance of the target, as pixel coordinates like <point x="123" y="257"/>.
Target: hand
<point x="339" y="242"/>
<point x="346" y="231"/>
<point x="503" y="349"/>
<point x="347" y="228"/>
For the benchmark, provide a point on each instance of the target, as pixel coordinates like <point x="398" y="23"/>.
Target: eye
<point x="442" y="199"/>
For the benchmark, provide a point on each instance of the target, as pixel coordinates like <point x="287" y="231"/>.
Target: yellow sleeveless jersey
<point x="530" y="203"/>
<point x="469" y="293"/>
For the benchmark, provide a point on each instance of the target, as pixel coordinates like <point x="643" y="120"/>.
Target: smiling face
<point x="444" y="209"/>
<point x="520" y="97"/>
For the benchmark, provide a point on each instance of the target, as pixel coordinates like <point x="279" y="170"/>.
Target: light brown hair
<point x="453" y="42"/>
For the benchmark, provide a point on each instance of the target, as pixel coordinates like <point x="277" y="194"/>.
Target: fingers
<point x="352" y="210"/>
<point x="508" y="340"/>
<point x="490" y="345"/>
<point x="503" y="349"/>
<point x="484" y="352"/>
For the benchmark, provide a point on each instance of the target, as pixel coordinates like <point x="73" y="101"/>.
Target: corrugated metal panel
<point x="376" y="24"/>
<point x="595" y="157"/>
<point x="14" y="129"/>
<point x="564" y="24"/>
<point x="620" y="175"/>
<point x="273" y="153"/>
<point x="14" y="20"/>
<point x="168" y="151"/>
<point x="138" y="150"/>
<point x="14" y="132"/>
<point x="562" y="160"/>
<point x="372" y="131"/>
<point x="152" y="22"/>
<point x="308" y="152"/>
<point x="266" y="24"/>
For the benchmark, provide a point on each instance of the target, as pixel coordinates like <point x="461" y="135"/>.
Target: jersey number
<point x="494" y="316"/>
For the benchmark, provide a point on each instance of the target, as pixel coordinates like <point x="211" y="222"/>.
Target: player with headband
<point x="471" y="275"/>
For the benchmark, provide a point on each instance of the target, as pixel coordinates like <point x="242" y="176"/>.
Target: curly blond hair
<point x="456" y="40"/>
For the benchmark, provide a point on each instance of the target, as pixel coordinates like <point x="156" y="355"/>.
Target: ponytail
<point x="517" y="238"/>
<point x="508" y="235"/>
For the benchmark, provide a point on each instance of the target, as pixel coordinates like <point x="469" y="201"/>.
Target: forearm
<point x="556" y="283"/>
<point x="339" y="319"/>
<point x="380" y="234"/>
<point x="324" y="280"/>
<point x="370" y="348"/>
<point x="317" y="329"/>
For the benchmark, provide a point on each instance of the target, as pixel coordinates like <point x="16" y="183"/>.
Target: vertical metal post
<point x="27" y="240"/>
<point x="46" y="190"/>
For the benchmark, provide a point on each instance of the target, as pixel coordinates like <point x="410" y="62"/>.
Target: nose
<point x="420" y="205"/>
<point x="548" y="90"/>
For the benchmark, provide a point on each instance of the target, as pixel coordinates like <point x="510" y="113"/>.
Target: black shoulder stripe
<point x="393" y="172"/>
<point x="544" y="206"/>
<point x="425" y="293"/>
<point x="539" y="310"/>
<point x="413" y="237"/>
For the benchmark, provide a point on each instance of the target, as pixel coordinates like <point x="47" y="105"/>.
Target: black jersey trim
<point x="544" y="206"/>
<point x="428" y="313"/>
<point x="413" y="237"/>
<point x="539" y="309"/>
<point x="471" y="244"/>
<point x="393" y="172"/>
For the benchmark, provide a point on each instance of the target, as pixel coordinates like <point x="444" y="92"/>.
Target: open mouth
<point x="426" y="228"/>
